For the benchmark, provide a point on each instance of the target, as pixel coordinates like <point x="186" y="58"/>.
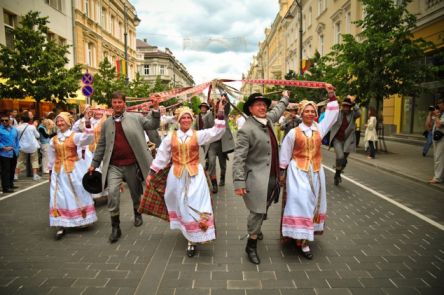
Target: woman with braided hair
<point x="306" y="202"/>
<point x="69" y="204"/>
<point x="187" y="196"/>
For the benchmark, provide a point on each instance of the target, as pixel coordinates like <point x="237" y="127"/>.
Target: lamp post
<point x="136" y="21"/>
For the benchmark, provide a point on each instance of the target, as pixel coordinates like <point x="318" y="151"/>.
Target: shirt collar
<point x="263" y="121"/>
<point x="313" y="127"/>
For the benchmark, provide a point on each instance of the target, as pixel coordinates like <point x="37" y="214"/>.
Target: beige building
<point x="153" y="62"/>
<point x="100" y="30"/>
<point x="303" y="26"/>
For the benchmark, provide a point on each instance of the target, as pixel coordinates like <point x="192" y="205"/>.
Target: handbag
<point x="437" y="135"/>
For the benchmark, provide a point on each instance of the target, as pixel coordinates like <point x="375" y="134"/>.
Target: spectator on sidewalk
<point x="13" y="118"/>
<point x="438" y="144"/>
<point x="305" y="206"/>
<point x="187" y="196"/>
<point x="123" y="150"/>
<point x="343" y="135"/>
<point x="371" y="136"/>
<point x="256" y="164"/>
<point x="29" y="145"/>
<point x="429" y="129"/>
<point x="69" y="205"/>
<point x="46" y="130"/>
<point x="9" y="150"/>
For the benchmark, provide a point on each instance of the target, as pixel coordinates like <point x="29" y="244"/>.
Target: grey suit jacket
<point x="134" y="127"/>
<point x="350" y="135"/>
<point x="252" y="159"/>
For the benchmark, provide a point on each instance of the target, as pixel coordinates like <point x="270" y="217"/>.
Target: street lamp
<point x="136" y="21"/>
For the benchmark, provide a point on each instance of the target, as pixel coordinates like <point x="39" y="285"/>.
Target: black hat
<point x="204" y="104"/>
<point x="253" y="98"/>
<point x="92" y="183"/>
<point x="347" y="101"/>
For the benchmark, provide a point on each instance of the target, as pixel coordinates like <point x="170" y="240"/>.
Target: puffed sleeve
<point x="163" y="155"/>
<point x="212" y="134"/>
<point x="331" y="115"/>
<point x="286" y="151"/>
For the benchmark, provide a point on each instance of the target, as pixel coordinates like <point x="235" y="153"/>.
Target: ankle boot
<point x="214" y="184"/>
<point x="337" y="178"/>
<point x="138" y="221"/>
<point x="222" y="178"/>
<point x="251" y="250"/>
<point x="115" y="232"/>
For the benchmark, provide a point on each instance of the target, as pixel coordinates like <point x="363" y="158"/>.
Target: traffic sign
<point x="87" y="90"/>
<point x="87" y="79"/>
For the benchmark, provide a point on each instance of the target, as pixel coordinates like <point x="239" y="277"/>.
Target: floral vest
<point x="307" y="150"/>
<point x="185" y="155"/>
<point x="66" y="154"/>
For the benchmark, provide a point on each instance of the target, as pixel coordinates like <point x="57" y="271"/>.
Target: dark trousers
<point x="372" y="149"/>
<point x="8" y="169"/>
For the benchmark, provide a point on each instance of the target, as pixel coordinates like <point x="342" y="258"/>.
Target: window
<point x="10" y="23"/>
<point x="112" y="25"/>
<point x="321" y="6"/>
<point x="162" y="70"/>
<point x="146" y="70"/>
<point x="337" y="32"/>
<point x="120" y="30"/>
<point x="103" y="18"/>
<point x="90" y="54"/>
<point x="309" y="16"/>
<point x="56" y="4"/>
<point x="321" y="45"/>
<point x="87" y="7"/>
<point x="348" y="22"/>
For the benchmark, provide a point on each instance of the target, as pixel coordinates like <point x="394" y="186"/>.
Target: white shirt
<point x="240" y="122"/>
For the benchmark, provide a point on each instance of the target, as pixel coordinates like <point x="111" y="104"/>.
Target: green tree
<point x="387" y="61"/>
<point x="138" y="87"/>
<point x="35" y="66"/>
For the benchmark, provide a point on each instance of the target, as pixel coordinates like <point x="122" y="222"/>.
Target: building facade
<point x="302" y="27"/>
<point x="153" y="62"/>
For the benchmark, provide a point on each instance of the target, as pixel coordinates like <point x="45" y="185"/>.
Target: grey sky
<point x="213" y="39"/>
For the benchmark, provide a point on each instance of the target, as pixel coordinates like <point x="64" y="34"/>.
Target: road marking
<point x="399" y="205"/>
<point x="23" y="190"/>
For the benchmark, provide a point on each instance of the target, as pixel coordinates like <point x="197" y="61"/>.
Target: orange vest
<point x="185" y="155"/>
<point x="97" y="130"/>
<point x="66" y="154"/>
<point x="307" y="150"/>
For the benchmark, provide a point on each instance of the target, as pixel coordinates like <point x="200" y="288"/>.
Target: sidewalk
<point x="404" y="159"/>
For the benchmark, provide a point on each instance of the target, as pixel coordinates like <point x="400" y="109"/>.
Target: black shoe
<point x="116" y="233"/>
<point x="60" y="233"/>
<point x="306" y="254"/>
<point x="138" y="221"/>
<point x="260" y="236"/>
<point x="14" y="187"/>
<point x="191" y="251"/>
<point x="214" y="184"/>
<point x="8" y="190"/>
<point x="222" y="182"/>
<point x="251" y="250"/>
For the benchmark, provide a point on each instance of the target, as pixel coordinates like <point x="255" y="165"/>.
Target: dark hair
<point x="25" y="116"/>
<point x="371" y="111"/>
<point x="118" y="94"/>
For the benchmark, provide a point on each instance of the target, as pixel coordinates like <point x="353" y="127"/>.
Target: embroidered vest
<point x="185" y="155"/>
<point x="307" y="150"/>
<point x="66" y="154"/>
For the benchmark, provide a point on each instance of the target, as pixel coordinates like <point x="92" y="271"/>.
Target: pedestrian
<point x="256" y="164"/>
<point x="28" y="141"/>
<point x="221" y="148"/>
<point x="428" y="130"/>
<point x="124" y="155"/>
<point x="305" y="206"/>
<point x="292" y="120"/>
<point x="13" y="117"/>
<point x="371" y="136"/>
<point x="9" y="151"/>
<point x="69" y="205"/>
<point x="204" y="108"/>
<point x="438" y="144"/>
<point x="187" y="196"/>
<point x="46" y="131"/>
<point x="343" y="135"/>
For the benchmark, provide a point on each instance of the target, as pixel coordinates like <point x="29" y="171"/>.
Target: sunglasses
<point x="4" y="120"/>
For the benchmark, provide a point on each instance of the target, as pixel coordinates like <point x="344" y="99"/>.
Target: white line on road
<point x="399" y="205"/>
<point x="23" y="190"/>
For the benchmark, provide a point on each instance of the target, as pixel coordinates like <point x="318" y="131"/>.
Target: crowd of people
<point x="157" y="156"/>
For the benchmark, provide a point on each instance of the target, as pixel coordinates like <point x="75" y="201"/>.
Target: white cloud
<point x="213" y="39"/>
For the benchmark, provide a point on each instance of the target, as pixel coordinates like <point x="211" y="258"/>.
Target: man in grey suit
<point x="125" y="155"/>
<point x="343" y="135"/>
<point x="256" y="164"/>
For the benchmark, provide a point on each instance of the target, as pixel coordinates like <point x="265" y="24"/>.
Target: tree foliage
<point x="384" y="59"/>
<point x="35" y="65"/>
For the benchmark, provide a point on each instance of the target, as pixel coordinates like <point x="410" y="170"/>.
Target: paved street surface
<point x="370" y="246"/>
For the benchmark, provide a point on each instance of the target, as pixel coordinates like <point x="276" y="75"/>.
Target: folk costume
<point x="69" y="205"/>
<point x="187" y="196"/>
<point x="256" y="166"/>
<point x="306" y="201"/>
